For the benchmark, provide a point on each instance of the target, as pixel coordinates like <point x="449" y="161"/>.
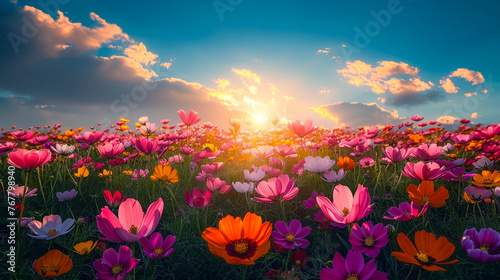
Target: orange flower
<point x="237" y="241"/>
<point x="165" y="174"/>
<point x="128" y="172"/>
<point x="243" y="158"/>
<point x="346" y="163"/>
<point x="487" y="179"/>
<point x="425" y="192"/>
<point x="82" y="172"/>
<point x="84" y="248"/>
<point x="429" y="252"/>
<point x="105" y="173"/>
<point x="53" y="264"/>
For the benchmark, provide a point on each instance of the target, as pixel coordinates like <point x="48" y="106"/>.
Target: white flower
<point x="63" y="149"/>
<point x="243" y="187"/>
<point x="255" y="176"/>
<point x="318" y="164"/>
<point x="51" y="227"/>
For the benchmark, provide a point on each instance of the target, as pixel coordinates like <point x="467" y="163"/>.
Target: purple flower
<point x="155" y="247"/>
<point x="477" y="194"/>
<point x="483" y="246"/>
<point x="353" y="267"/>
<point x="115" y="266"/>
<point x="318" y="164"/>
<point x="406" y="211"/>
<point x="333" y="177"/>
<point x="368" y="239"/>
<point x="67" y="195"/>
<point x="291" y="236"/>
<point x="457" y="174"/>
<point x="310" y="203"/>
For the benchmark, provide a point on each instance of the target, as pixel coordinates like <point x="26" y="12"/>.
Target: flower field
<point x="194" y="201"/>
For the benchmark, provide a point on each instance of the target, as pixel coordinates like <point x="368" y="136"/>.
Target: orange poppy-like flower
<point x="105" y="173"/>
<point x="84" y="248"/>
<point x="487" y="179"/>
<point x="53" y="264"/>
<point x="425" y="193"/>
<point x="346" y="163"/>
<point x="429" y="252"/>
<point x="165" y="173"/>
<point x="237" y="241"/>
<point x="128" y="172"/>
<point x="82" y="172"/>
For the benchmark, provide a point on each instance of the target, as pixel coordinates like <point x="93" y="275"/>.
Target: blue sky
<point x="339" y="63"/>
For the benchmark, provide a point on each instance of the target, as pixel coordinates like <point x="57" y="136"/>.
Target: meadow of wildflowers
<point x="193" y="201"/>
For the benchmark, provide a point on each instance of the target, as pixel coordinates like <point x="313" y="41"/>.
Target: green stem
<point x="419" y="273"/>
<point x="283" y="213"/>
<point x="287" y="259"/>
<point x="41" y="186"/>
<point x="175" y="200"/>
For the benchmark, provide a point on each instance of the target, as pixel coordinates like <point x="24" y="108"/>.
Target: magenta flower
<point x="109" y="150"/>
<point x="212" y="168"/>
<point x="300" y="129"/>
<point x="89" y="137"/>
<point x="368" y="239"/>
<point x="67" y="195"/>
<point x="291" y="236"/>
<point x="395" y="154"/>
<point x="115" y="199"/>
<point x="366" y="162"/>
<point x="324" y="222"/>
<point x="345" y="208"/>
<point x="189" y="120"/>
<point x="276" y="189"/>
<point x="131" y="223"/>
<point x="457" y="174"/>
<point x="310" y="203"/>
<point x="483" y="246"/>
<point x="423" y="171"/>
<point x="416" y="118"/>
<point x="254" y="176"/>
<point x="22" y="135"/>
<point x="29" y="160"/>
<point x="146" y="146"/>
<point x="20" y="191"/>
<point x="486" y="132"/>
<point x="198" y="199"/>
<point x="353" y="267"/>
<point x="115" y="265"/>
<point x="155" y="247"/>
<point x="427" y="152"/>
<point x="461" y="138"/>
<point x="214" y="184"/>
<point x="333" y="177"/>
<point x="318" y="164"/>
<point x="406" y="211"/>
<point x="8" y="146"/>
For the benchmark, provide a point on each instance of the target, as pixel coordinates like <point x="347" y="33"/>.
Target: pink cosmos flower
<point x="51" y="227"/>
<point x="285" y="151"/>
<point x="254" y="176"/>
<point x="115" y="199"/>
<point x="300" y="129"/>
<point x="189" y="120"/>
<point x="395" y="154"/>
<point x="486" y="132"/>
<point x="19" y="191"/>
<point x="345" y="208"/>
<point x="318" y="164"/>
<point x="406" y="211"/>
<point x="22" y="135"/>
<point x="146" y="146"/>
<point x="90" y="137"/>
<point x="366" y="162"/>
<point x="29" y="160"/>
<point x="212" y="168"/>
<point x="461" y="138"/>
<point x="131" y="223"/>
<point x="368" y="239"/>
<point x="291" y="236"/>
<point x="416" y="118"/>
<point x="156" y="247"/>
<point x="423" y="171"/>
<point x="198" y="199"/>
<point x="109" y="150"/>
<point x="7" y="147"/>
<point x="427" y="152"/>
<point x="63" y="149"/>
<point x="262" y="152"/>
<point x="276" y="189"/>
<point x="214" y="184"/>
<point x="353" y="267"/>
<point x="115" y="265"/>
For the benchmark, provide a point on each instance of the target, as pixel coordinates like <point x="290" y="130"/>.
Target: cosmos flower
<point x="115" y="265"/>
<point x="352" y="267"/>
<point x="63" y="149"/>
<point x="483" y="246"/>
<point x="291" y="236"/>
<point x="29" y="160"/>
<point x="300" y="129"/>
<point x="395" y="154"/>
<point x="276" y="189"/>
<point x="487" y="179"/>
<point x="243" y="187"/>
<point x="51" y="227"/>
<point x="84" y="248"/>
<point x="155" y="247"/>
<point x="406" y="211"/>
<point x="427" y="152"/>
<point x="115" y="199"/>
<point x="190" y="119"/>
<point x="310" y="203"/>
<point x="368" y="239"/>
<point x="423" y="171"/>
<point x="476" y="194"/>
<point x="20" y="191"/>
<point x="239" y="241"/>
<point x="346" y="163"/>
<point x="110" y="150"/>
<point x="318" y="164"/>
<point x="366" y="162"/>
<point x="254" y="176"/>
<point x="52" y="264"/>
<point x="425" y="193"/>
<point x="333" y="177"/>
<point x="199" y="199"/>
<point x="214" y="184"/>
<point x="67" y="195"/>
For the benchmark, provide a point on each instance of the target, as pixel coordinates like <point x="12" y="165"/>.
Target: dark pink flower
<point x="155" y="247"/>
<point x="427" y="152"/>
<point x="110" y="150"/>
<point x="368" y="239"/>
<point x="199" y="199"/>
<point x="276" y="189"/>
<point x="115" y="266"/>
<point x="146" y="146"/>
<point x="214" y="184"/>
<point x="406" y="211"/>
<point x="310" y="203"/>
<point x="29" y="160"/>
<point x="416" y="118"/>
<point x="423" y="171"/>
<point x="291" y="236"/>
<point x="353" y="267"/>
<point x="189" y="120"/>
<point x="395" y="154"/>
<point x="113" y="200"/>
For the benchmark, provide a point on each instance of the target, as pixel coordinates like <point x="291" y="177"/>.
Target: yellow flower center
<point x="241" y="247"/>
<point x="345" y="211"/>
<point x="352" y="277"/>
<point x="49" y="268"/>
<point x="117" y="269"/>
<point x="369" y="241"/>
<point x="407" y="213"/>
<point x="423" y="257"/>
<point x="133" y="229"/>
<point x="52" y="232"/>
<point x="290" y="237"/>
<point x="158" y="251"/>
<point x="425" y="198"/>
<point x="298" y="263"/>
<point x="485" y="247"/>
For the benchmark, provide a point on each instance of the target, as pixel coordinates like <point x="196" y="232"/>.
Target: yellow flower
<point x="487" y="179"/>
<point x="165" y="174"/>
<point x="105" y="173"/>
<point x="211" y="147"/>
<point x="84" y="248"/>
<point x="123" y="127"/>
<point x="82" y="172"/>
<point x="128" y="172"/>
<point x="124" y="120"/>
